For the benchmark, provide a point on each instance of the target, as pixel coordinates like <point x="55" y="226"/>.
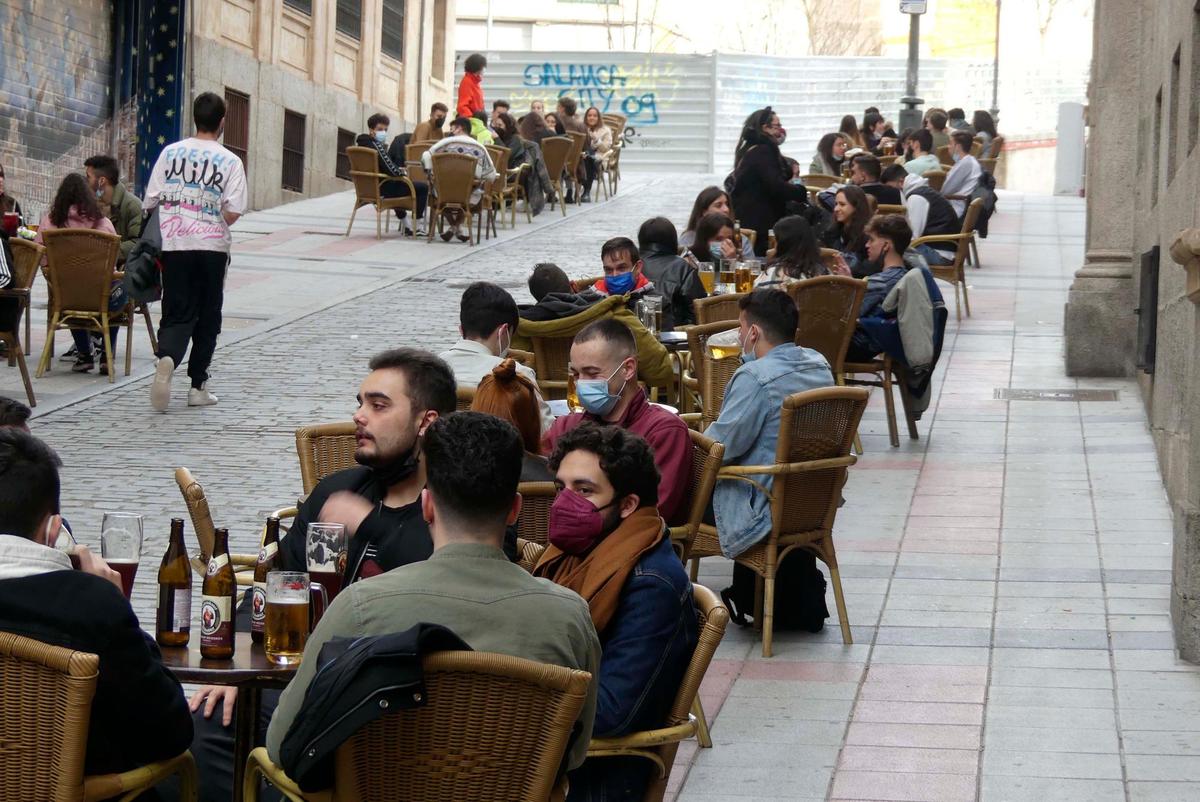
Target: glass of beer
<point x="728" y="274"/>
<point x="744" y="277"/>
<point x="326" y="550"/>
<point x="121" y="545"/>
<point x="572" y="394"/>
<point x="708" y="277"/>
<point x="286" y="627"/>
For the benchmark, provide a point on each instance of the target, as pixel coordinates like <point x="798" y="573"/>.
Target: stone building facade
<point x="1134" y="306"/>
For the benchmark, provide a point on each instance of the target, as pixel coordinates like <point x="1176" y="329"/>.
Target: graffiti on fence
<point x="634" y="92"/>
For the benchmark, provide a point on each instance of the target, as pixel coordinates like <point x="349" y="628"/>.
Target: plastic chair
<point x="368" y="186"/>
<point x="26" y="256"/>
<point x="45" y="704"/>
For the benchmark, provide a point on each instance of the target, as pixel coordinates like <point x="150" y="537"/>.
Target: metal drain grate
<point x="1020" y="394"/>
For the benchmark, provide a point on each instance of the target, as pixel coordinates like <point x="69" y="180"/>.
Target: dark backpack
<point x="799" y="593"/>
<point x="357" y="681"/>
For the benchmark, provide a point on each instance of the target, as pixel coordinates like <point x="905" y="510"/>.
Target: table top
<point x="248" y="666"/>
<point x="673" y="340"/>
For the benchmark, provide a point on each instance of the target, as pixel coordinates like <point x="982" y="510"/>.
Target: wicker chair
<point x="936" y="178"/>
<point x="717" y="308"/>
<point x="953" y="272"/>
<point x="26" y="256"/>
<point x="828" y="307"/>
<point x="819" y="180"/>
<point x="943" y="154"/>
<point x="555" y="152"/>
<point x="551" y="356"/>
<point x="452" y="184"/>
<point x="891" y="208"/>
<point x="466" y="397"/>
<point x="709" y="375"/>
<point x="660" y="745"/>
<point x="530" y="553"/>
<point x="324" y="449"/>
<point x="883" y="375"/>
<point x="706" y="462"/>
<point x="45" y="705"/>
<point x="500" y="157"/>
<point x="202" y="521"/>
<point x="578" y="143"/>
<point x="494" y="727"/>
<point x="534" y="523"/>
<point x="816" y="429"/>
<point x="79" y="275"/>
<point x="368" y="183"/>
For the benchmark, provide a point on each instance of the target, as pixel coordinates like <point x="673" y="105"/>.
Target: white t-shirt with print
<point x="193" y="182"/>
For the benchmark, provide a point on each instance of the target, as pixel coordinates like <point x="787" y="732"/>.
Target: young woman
<point x="675" y="278"/>
<point x="797" y="255"/>
<point x="985" y="128"/>
<point x="508" y="395"/>
<point x="851" y="211"/>
<point x="714" y="239"/>
<point x="506" y="134"/>
<point x="849" y="129"/>
<point x="470" y="88"/>
<point x="533" y="128"/>
<point x="553" y="123"/>
<point x="75" y="206"/>
<point x="831" y="152"/>
<point x="711" y="200"/>
<point x="599" y="150"/>
<point x="762" y="185"/>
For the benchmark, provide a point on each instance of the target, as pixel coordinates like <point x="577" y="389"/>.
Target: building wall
<point x="284" y="59"/>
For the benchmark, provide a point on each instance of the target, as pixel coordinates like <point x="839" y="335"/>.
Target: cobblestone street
<point x="1007" y="574"/>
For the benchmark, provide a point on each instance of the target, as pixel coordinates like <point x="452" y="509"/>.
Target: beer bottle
<point x="266" y="563"/>
<point x="174" y="621"/>
<point x="216" y="606"/>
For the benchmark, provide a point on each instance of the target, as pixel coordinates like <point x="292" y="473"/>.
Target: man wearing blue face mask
<point x="377" y="138"/>
<point x="773" y="368"/>
<point x="623" y="271"/>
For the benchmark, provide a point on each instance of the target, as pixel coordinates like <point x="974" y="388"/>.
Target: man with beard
<point x="608" y="543"/>
<point x="379" y="503"/>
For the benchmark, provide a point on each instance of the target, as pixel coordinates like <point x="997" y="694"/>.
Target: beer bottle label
<point x="267" y="552"/>
<point x="216" y="625"/>
<point x="258" y="606"/>
<point x="174" y="609"/>
<point x="217" y="563"/>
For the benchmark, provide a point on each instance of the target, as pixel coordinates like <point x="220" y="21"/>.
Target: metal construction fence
<point x="685" y="111"/>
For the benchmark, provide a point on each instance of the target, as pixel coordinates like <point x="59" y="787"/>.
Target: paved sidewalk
<point x="1006" y="575"/>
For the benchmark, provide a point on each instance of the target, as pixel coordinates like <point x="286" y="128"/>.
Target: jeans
<point x="933" y="256"/>
<point x="193" y="285"/>
<point x="117" y="298"/>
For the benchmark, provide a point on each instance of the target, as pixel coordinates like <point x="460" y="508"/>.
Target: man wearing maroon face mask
<point x="609" y="545"/>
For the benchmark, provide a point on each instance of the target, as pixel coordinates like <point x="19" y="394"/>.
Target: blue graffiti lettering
<point x="599" y="85"/>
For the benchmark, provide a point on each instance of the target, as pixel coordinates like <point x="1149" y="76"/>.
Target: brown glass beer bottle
<point x="217" y="602"/>
<point x="174" y="620"/>
<point x="266" y="563"/>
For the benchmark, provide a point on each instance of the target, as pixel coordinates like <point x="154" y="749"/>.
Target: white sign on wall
<point x="913" y="6"/>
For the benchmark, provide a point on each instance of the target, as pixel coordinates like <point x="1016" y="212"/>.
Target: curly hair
<point x="473" y="465"/>
<point x="626" y="459"/>
<point x="73" y="192"/>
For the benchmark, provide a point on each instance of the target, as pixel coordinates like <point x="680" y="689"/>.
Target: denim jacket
<point x="647" y="645"/>
<point x="749" y="428"/>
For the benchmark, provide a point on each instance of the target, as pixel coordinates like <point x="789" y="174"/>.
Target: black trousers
<point x="193" y="284"/>
<point x="398" y="189"/>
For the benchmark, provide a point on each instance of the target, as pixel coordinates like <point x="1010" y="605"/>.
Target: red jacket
<point x="470" y="94"/>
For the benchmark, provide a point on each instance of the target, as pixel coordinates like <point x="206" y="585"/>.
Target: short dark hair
<point x="484" y="308"/>
<point x="439" y="106"/>
<point x="956" y="114"/>
<point x="923" y="138"/>
<point x="479" y="115"/>
<point x="612" y="331"/>
<point x="893" y="227"/>
<point x="430" y="380"/>
<point x="105" y="166"/>
<point x="463" y="123"/>
<point x="29" y="483"/>
<point x="868" y="164"/>
<point x="568" y="105"/>
<point x="13" y="412"/>
<point x="774" y="312"/>
<point x="546" y="278"/>
<point x="870" y="110"/>
<point x="208" y="109"/>
<point x="963" y="139"/>
<point x="474" y="63"/>
<point x="618" y="245"/>
<point x="377" y="119"/>
<point x="658" y="231"/>
<point x="938" y="120"/>
<point x="501" y="104"/>
<point x="893" y="172"/>
<point x="472" y="466"/>
<point x="626" y="459"/>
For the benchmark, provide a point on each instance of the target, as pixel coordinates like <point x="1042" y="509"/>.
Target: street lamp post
<point x="996" y="70"/>
<point x="910" y="114"/>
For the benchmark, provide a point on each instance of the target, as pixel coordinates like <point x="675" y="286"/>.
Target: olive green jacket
<point x="125" y="213"/>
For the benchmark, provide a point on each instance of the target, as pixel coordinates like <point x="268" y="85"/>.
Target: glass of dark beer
<point x="326" y="550"/>
<point x="286" y="627"/>
<point x="121" y="545"/>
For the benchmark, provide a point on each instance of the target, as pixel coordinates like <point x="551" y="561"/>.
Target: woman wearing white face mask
<point x="377" y="137"/>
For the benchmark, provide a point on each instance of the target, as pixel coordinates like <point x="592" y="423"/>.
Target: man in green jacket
<point x="121" y="207"/>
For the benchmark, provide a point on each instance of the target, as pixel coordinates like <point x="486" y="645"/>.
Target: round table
<point x="249" y="671"/>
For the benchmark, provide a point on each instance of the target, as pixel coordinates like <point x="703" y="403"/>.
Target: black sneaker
<point x="83" y="365"/>
<point x="71" y="355"/>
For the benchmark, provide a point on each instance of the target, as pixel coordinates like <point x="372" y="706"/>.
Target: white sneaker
<point x="160" y="388"/>
<point x="201" y="397"/>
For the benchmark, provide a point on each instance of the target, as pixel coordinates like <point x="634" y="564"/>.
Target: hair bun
<point x="506" y="371"/>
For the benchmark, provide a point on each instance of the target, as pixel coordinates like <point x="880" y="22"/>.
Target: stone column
<point x="1100" y="324"/>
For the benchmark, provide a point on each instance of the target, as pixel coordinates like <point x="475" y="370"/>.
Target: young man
<point x="935" y="124"/>
<point x="604" y="365"/>
<point x="377" y="137"/>
<point x="473" y="463"/>
<point x="865" y="171"/>
<point x="773" y="367"/>
<point x="928" y="213"/>
<point x="923" y="157"/>
<point x="138" y="713"/>
<point x="379" y="504"/>
<point x="956" y="118"/>
<point x="888" y="237"/>
<point x="431" y="130"/>
<point x="200" y="189"/>
<point x="553" y="295"/>
<point x="121" y="207"/>
<point x="964" y="176"/>
<point x="498" y="108"/>
<point x="461" y="141"/>
<point x="487" y="318"/>
<point x="623" y="272"/>
<point x="609" y="545"/>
